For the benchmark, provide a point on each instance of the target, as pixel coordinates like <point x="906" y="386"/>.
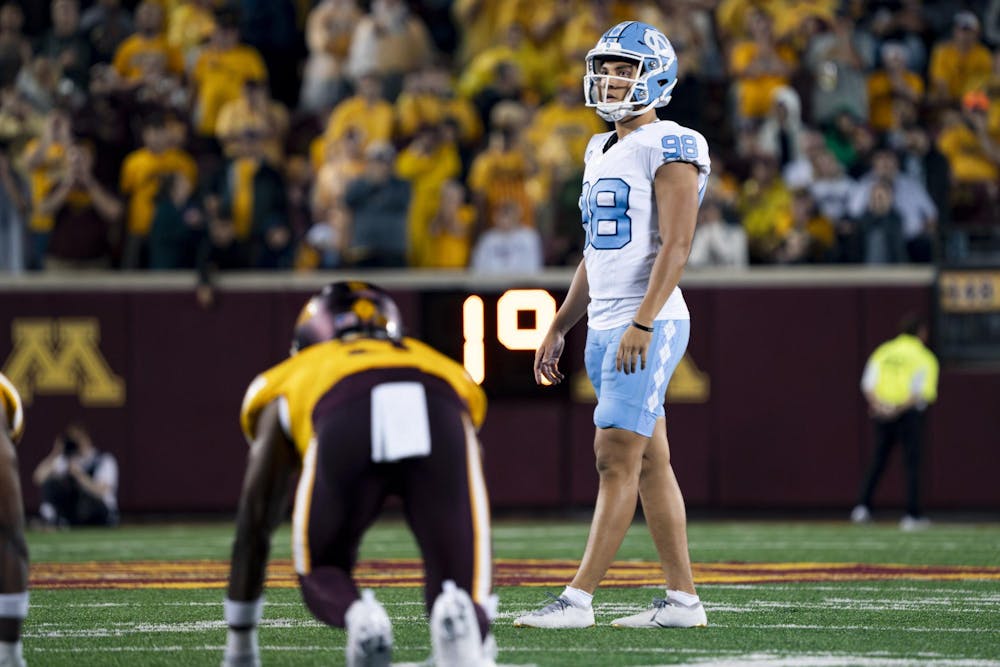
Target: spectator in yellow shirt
<point x="328" y="34"/>
<point x="45" y="162"/>
<point x="254" y="112"/>
<point x="515" y="48"/>
<point x="973" y="157"/>
<point x="189" y="25"/>
<point x="451" y="228"/>
<point x="759" y="65"/>
<point x="146" y="53"/>
<point x="143" y="172"/>
<point x="222" y="68"/>
<point x="892" y="82"/>
<point x="428" y="98"/>
<point x="429" y="161"/>
<point x="390" y="41"/>
<point x="366" y="111"/>
<point x="959" y="63"/>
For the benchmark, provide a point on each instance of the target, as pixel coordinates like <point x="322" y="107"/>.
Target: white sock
<point x="686" y="599"/>
<point x="11" y="649"/>
<point x="241" y="642"/>
<point x="578" y="598"/>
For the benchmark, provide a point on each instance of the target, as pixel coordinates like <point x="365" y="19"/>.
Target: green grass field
<point x="913" y="620"/>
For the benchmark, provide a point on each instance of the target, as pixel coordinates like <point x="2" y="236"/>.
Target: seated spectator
<point x="390" y="42"/>
<point x="15" y="48"/>
<point x="44" y="161"/>
<point x="839" y="60"/>
<point x="758" y="66"/>
<point x="329" y="28"/>
<point x="248" y="212"/>
<point x="84" y="214"/>
<point x="66" y="45"/>
<point x="451" y="228"/>
<point x="106" y="25"/>
<point x="510" y="246"/>
<point x="221" y="70"/>
<point x="892" y="82"/>
<point x="142" y="174"/>
<point x="973" y="159"/>
<point x="913" y="203"/>
<point x="958" y="64"/>
<point x="378" y="201"/>
<point x="79" y="483"/>
<point x="367" y="111"/>
<point x="717" y="242"/>
<point x="178" y="225"/>
<point x="146" y="53"/>
<point x="254" y="112"/>
<point x="427" y="163"/>
<point x="880" y="227"/>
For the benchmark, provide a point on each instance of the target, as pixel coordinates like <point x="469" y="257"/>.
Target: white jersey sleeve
<point x="621" y="220"/>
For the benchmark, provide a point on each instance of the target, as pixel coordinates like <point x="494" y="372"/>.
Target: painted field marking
<point x="408" y="572"/>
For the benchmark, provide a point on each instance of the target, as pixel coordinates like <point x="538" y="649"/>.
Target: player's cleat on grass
<point x="666" y="613"/>
<point x="558" y="614"/>
<point x="247" y="660"/>
<point x="910" y="523"/>
<point x="455" y="637"/>
<point x="860" y="514"/>
<point x="369" y="633"/>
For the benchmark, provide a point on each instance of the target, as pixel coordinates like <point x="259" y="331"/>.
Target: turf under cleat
<point x="369" y="633"/>
<point x="558" y="614"/>
<point x="665" y="613"/>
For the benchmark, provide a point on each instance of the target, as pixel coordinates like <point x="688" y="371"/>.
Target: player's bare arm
<point x="676" y="189"/>
<point x="570" y="312"/>
<point x="263" y="502"/>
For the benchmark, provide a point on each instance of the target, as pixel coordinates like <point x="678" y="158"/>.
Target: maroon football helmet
<point x="347" y="307"/>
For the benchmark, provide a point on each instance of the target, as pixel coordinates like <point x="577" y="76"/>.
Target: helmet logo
<point x="364" y="309"/>
<point x="658" y="43"/>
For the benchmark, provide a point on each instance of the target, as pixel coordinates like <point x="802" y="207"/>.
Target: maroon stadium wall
<point x="765" y="412"/>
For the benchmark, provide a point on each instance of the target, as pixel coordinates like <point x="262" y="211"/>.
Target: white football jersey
<point x="618" y="207"/>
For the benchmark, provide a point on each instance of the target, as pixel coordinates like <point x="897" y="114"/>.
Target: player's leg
<point x="13" y="557"/>
<point x="447" y="508"/>
<point x="339" y="495"/>
<point x="663" y="507"/>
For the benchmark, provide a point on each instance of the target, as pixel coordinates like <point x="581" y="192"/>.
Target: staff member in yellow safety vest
<point x="900" y="381"/>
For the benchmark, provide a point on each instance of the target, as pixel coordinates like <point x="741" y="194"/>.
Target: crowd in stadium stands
<point x="304" y="134"/>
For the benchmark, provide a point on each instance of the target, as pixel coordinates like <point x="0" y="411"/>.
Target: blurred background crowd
<point x="280" y="134"/>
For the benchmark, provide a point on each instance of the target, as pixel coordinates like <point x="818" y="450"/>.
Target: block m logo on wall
<point x="62" y="356"/>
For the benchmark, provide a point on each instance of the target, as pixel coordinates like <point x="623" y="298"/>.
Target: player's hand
<point x="632" y="350"/>
<point x="547" y="358"/>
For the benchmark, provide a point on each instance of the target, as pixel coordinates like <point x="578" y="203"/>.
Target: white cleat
<point x="910" y="523"/>
<point x="455" y="637"/>
<point x="558" y="614"/>
<point x="666" y="613"/>
<point x="861" y="514"/>
<point x="11" y="655"/>
<point x="369" y="633"/>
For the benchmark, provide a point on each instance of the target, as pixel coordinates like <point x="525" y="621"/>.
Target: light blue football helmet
<point x="654" y="77"/>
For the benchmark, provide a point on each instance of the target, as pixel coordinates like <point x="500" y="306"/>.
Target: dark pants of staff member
<point x="443" y="496"/>
<point x="906" y="429"/>
<point x="74" y="506"/>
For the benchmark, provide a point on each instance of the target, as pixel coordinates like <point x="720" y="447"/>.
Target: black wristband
<point x="642" y="328"/>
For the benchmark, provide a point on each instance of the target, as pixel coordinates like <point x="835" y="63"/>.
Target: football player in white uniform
<point x="642" y="185"/>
